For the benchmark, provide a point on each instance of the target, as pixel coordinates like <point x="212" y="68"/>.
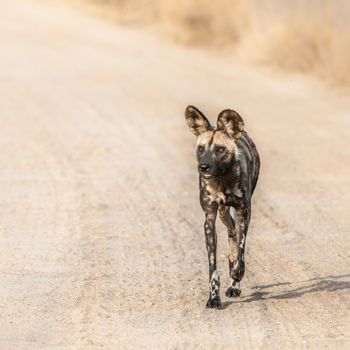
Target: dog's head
<point x="216" y="147"/>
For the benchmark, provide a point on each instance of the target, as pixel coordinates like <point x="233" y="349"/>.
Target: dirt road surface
<point x="101" y="229"/>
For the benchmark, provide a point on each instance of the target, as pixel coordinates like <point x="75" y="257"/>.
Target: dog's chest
<point x="219" y="194"/>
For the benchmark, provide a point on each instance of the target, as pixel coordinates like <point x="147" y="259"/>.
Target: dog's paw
<point x="233" y="292"/>
<point x="214" y="303"/>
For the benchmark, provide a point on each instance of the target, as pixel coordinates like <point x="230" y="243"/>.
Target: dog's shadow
<point x="320" y="284"/>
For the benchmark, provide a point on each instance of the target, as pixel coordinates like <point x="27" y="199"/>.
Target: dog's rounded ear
<point x="231" y="123"/>
<point x="196" y="121"/>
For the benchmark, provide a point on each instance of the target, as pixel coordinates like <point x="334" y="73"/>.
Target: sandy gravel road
<point x="101" y="229"/>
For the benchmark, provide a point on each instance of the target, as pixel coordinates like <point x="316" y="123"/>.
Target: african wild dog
<point x="228" y="165"/>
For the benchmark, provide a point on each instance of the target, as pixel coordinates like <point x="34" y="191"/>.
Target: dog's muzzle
<point x="204" y="167"/>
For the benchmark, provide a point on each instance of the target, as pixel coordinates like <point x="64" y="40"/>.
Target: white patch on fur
<point x="242" y="241"/>
<point x="213" y="285"/>
<point x="211" y="258"/>
<point x="215" y="276"/>
<point x="238" y="171"/>
<point x="235" y="284"/>
<point x="215" y="191"/>
<point x="237" y="192"/>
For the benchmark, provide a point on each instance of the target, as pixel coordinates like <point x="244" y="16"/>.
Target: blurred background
<point x="309" y="36"/>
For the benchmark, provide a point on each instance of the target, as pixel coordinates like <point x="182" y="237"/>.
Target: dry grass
<point x="205" y="23"/>
<point x="199" y="23"/>
<point x="295" y="35"/>
<point x="303" y="36"/>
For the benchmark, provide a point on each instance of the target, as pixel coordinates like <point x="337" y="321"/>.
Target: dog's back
<point x="249" y="159"/>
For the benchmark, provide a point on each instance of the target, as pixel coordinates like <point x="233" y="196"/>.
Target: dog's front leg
<point x="210" y="238"/>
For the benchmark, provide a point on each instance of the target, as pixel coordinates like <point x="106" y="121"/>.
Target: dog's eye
<point x="200" y="149"/>
<point x="221" y="149"/>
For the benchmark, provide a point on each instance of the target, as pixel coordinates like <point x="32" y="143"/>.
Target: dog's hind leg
<point x="237" y="266"/>
<point x="227" y="220"/>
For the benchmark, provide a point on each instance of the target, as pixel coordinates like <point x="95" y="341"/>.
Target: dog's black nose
<point x="204" y="167"/>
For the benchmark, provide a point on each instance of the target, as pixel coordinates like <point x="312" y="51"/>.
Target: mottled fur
<point x="228" y="165"/>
